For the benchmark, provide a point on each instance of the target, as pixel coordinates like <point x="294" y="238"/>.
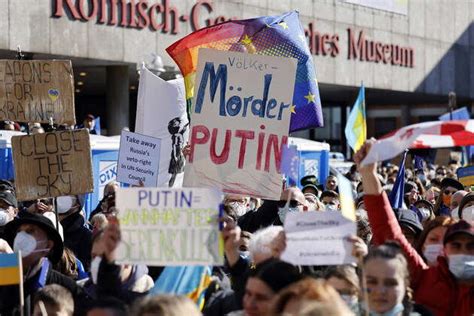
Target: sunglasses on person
<point x="293" y="203"/>
<point x="449" y="192"/>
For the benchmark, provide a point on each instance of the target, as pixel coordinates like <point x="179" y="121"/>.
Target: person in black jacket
<point x="41" y="247"/>
<point x="77" y="235"/>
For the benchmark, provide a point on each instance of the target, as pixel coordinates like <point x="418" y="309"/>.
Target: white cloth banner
<point x="161" y="113"/>
<point x="240" y="121"/>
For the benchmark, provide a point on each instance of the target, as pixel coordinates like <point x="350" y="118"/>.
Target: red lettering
<point x="220" y="159"/>
<point x="156" y="8"/>
<point x="356" y="50"/>
<point x="261" y="138"/>
<point x="335" y="45"/>
<point x="379" y="50"/>
<point x="196" y="13"/>
<point x="71" y="8"/>
<point x="171" y="10"/>
<point x="92" y="11"/>
<point x="324" y="41"/>
<point x="244" y="136"/>
<point x="195" y="139"/>
<point x="386" y="51"/>
<point x="124" y="13"/>
<point x="133" y="22"/>
<point x="273" y="142"/>
<point x="143" y="19"/>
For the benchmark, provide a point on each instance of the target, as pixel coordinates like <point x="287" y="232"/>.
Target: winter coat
<point x="78" y="237"/>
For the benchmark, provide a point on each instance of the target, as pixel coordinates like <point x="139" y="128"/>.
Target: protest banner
<point x="52" y="164"/>
<point x="318" y="238"/>
<point x="466" y="175"/>
<point x="346" y="197"/>
<point x="240" y="122"/>
<point x="161" y="226"/>
<point x="139" y="157"/>
<point x="161" y="113"/>
<point x="36" y="91"/>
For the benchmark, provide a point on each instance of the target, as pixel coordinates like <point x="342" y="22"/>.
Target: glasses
<point x="293" y="203"/>
<point x="448" y="192"/>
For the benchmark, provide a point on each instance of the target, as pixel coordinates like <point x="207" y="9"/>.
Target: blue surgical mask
<point x="432" y="252"/>
<point x="462" y="266"/>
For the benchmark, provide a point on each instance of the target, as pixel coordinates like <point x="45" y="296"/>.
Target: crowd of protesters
<point x="414" y="260"/>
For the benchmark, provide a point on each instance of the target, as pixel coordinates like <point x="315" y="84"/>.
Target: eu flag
<point x="270" y="35"/>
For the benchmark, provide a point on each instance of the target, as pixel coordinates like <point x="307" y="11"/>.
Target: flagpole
<point x="22" y="298"/>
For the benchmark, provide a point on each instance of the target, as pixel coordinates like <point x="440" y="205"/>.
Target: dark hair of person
<point x="67" y="265"/>
<point x="344" y="272"/>
<point x="329" y="193"/>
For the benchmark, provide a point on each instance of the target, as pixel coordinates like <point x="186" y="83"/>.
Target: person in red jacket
<point x="447" y="288"/>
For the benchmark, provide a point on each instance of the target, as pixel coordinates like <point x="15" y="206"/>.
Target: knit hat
<point x="408" y="218"/>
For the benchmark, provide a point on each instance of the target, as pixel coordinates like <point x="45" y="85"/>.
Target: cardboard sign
<point x="139" y="158"/>
<point x="240" y="122"/>
<point x="37" y="90"/>
<point x="161" y="113"/>
<point x="169" y="226"/>
<point x="52" y="164"/>
<point x="466" y="175"/>
<point x="318" y="238"/>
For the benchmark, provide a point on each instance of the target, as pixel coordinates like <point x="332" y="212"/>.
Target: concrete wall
<point x="440" y="31"/>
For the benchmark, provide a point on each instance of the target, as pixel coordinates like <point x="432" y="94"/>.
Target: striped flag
<point x="10" y="269"/>
<point x="438" y="134"/>
<point x="356" y="126"/>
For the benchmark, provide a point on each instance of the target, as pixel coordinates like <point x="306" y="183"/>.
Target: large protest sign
<point x="36" y="91"/>
<point x="169" y="226"/>
<point x="52" y="164"/>
<point x="161" y="113"/>
<point x="318" y="238"/>
<point x="240" y="122"/>
<point x="139" y="157"/>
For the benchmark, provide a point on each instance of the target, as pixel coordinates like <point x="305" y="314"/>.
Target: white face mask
<point x="425" y="213"/>
<point x="468" y="214"/>
<point x="238" y="208"/>
<point x="95" y="264"/>
<point x="27" y="244"/>
<point x="432" y="252"/>
<point x="4" y="217"/>
<point x="455" y="212"/>
<point x="350" y="300"/>
<point x="330" y="207"/>
<point x="282" y="211"/>
<point x="462" y="266"/>
<point x="64" y="203"/>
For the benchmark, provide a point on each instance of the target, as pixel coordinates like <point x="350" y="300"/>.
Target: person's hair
<point x="438" y="221"/>
<point x="438" y="204"/>
<point x="100" y="219"/>
<point x="466" y="199"/>
<point x="344" y="272"/>
<point x="113" y="305"/>
<point x="166" y="305"/>
<point x="67" y="265"/>
<point x="276" y="274"/>
<point x="57" y="297"/>
<point x="261" y="240"/>
<point x="110" y="185"/>
<point x="329" y="193"/>
<point x="391" y="251"/>
<point x="309" y="290"/>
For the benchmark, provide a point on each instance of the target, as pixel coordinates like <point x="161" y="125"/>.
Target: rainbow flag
<point x="356" y="126"/>
<point x="270" y="35"/>
<point x="10" y="272"/>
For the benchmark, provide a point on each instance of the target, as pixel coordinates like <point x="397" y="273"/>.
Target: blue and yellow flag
<point x="191" y="281"/>
<point x="356" y="126"/>
<point x="10" y="272"/>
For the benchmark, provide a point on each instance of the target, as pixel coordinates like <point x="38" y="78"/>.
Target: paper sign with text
<point x="37" y="90"/>
<point x="240" y="122"/>
<point x="52" y="164"/>
<point x="318" y="238"/>
<point x="139" y="158"/>
<point x="162" y="226"/>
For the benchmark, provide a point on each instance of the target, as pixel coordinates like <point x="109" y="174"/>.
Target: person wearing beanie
<point x="264" y="283"/>
<point x="409" y="223"/>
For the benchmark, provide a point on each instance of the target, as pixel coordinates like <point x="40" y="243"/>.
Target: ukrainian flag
<point x="191" y="281"/>
<point x="10" y="271"/>
<point x="356" y="126"/>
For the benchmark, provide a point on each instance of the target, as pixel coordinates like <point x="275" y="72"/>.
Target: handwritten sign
<point x="36" y="90"/>
<point x="240" y="122"/>
<point x="318" y="238"/>
<point x="52" y="164"/>
<point x="466" y="175"/>
<point x="139" y="158"/>
<point x="169" y="226"/>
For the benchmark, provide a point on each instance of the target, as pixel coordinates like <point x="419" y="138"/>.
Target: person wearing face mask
<point x="8" y="209"/>
<point x="430" y="243"/>
<point x="237" y="204"/>
<point x="448" y="188"/>
<point x="345" y="281"/>
<point x="77" y="235"/>
<point x="455" y="202"/>
<point x="330" y="199"/>
<point x="466" y="208"/>
<point x="424" y="210"/>
<point x="41" y="247"/>
<point x="446" y="288"/>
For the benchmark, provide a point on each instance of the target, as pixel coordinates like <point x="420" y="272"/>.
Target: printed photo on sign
<point x="52" y="164"/>
<point x="318" y="238"/>
<point x="169" y="226"/>
<point x="240" y="122"/>
<point x="36" y="91"/>
<point x="139" y="158"/>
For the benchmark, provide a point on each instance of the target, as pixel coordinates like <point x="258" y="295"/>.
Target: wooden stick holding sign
<point x="52" y="164"/>
<point x="36" y="90"/>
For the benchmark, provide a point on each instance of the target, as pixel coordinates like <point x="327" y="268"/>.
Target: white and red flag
<point x="436" y="134"/>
